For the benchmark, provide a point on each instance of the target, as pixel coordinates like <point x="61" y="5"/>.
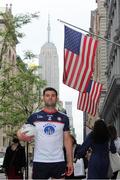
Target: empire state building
<point x="48" y="61"/>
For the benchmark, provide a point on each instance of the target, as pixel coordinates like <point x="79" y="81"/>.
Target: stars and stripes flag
<point x="79" y="55"/>
<point x="88" y="102"/>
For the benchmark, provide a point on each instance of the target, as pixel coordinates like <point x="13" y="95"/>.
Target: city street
<point x="60" y="89"/>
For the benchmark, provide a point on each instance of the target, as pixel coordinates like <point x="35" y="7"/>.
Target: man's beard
<point x="50" y="105"/>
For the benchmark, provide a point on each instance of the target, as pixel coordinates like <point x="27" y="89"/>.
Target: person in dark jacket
<point x="98" y="140"/>
<point x="14" y="160"/>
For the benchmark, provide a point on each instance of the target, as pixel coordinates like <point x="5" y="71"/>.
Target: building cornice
<point x="113" y="93"/>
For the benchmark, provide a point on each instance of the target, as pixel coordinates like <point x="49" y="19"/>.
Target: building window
<point x="13" y="59"/>
<point x="113" y="13"/>
<point x="116" y="51"/>
<point x="115" y="3"/>
<point x="5" y="144"/>
<point x="111" y="21"/>
<point x="9" y="54"/>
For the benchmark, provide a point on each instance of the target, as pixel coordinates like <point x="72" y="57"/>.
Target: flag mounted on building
<point x="79" y="55"/>
<point x="88" y="102"/>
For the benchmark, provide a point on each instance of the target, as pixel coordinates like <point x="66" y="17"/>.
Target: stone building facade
<point x="9" y="57"/>
<point x="111" y="107"/>
<point x="98" y="26"/>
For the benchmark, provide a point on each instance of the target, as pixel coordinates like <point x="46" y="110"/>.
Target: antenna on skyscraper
<point x="48" y="28"/>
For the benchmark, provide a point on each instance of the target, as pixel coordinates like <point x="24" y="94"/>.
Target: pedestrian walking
<point x="52" y="134"/>
<point x="113" y="134"/>
<point x="98" y="141"/>
<point x="15" y="160"/>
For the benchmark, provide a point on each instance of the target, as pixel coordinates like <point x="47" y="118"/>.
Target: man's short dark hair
<point x="49" y="89"/>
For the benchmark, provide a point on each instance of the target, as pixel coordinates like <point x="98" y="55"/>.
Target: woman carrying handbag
<point x="113" y="134"/>
<point x="98" y="141"/>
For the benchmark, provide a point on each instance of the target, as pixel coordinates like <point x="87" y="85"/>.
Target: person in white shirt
<point x="113" y="134"/>
<point x="52" y="134"/>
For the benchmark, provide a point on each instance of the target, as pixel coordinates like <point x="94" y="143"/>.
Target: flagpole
<point x="108" y="40"/>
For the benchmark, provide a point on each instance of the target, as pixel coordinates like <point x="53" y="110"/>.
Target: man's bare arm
<point x="69" y="152"/>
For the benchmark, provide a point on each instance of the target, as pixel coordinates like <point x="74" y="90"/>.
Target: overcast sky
<point x="76" y="12"/>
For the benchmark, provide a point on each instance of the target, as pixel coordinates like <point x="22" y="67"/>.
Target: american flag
<point x="79" y="54"/>
<point x="88" y="101"/>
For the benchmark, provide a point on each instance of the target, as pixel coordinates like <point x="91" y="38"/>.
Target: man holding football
<point x="52" y="134"/>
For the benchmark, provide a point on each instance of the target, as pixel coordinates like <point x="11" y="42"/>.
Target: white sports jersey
<point x="49" y="136"/>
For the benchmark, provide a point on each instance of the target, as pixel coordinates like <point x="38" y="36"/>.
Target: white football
<point x="26" y="133"/>
<point x="28" y="129"/>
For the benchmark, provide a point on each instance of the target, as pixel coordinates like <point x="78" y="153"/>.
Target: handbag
<point x="118" y="175"/>
<point x="114" y="161"/>
<point x="79" y="169"/>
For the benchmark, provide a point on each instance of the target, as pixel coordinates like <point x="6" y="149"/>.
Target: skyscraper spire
<point x="48" y="28"/>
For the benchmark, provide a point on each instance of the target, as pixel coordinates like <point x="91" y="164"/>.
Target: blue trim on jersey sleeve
<point x="66" y="126"/>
